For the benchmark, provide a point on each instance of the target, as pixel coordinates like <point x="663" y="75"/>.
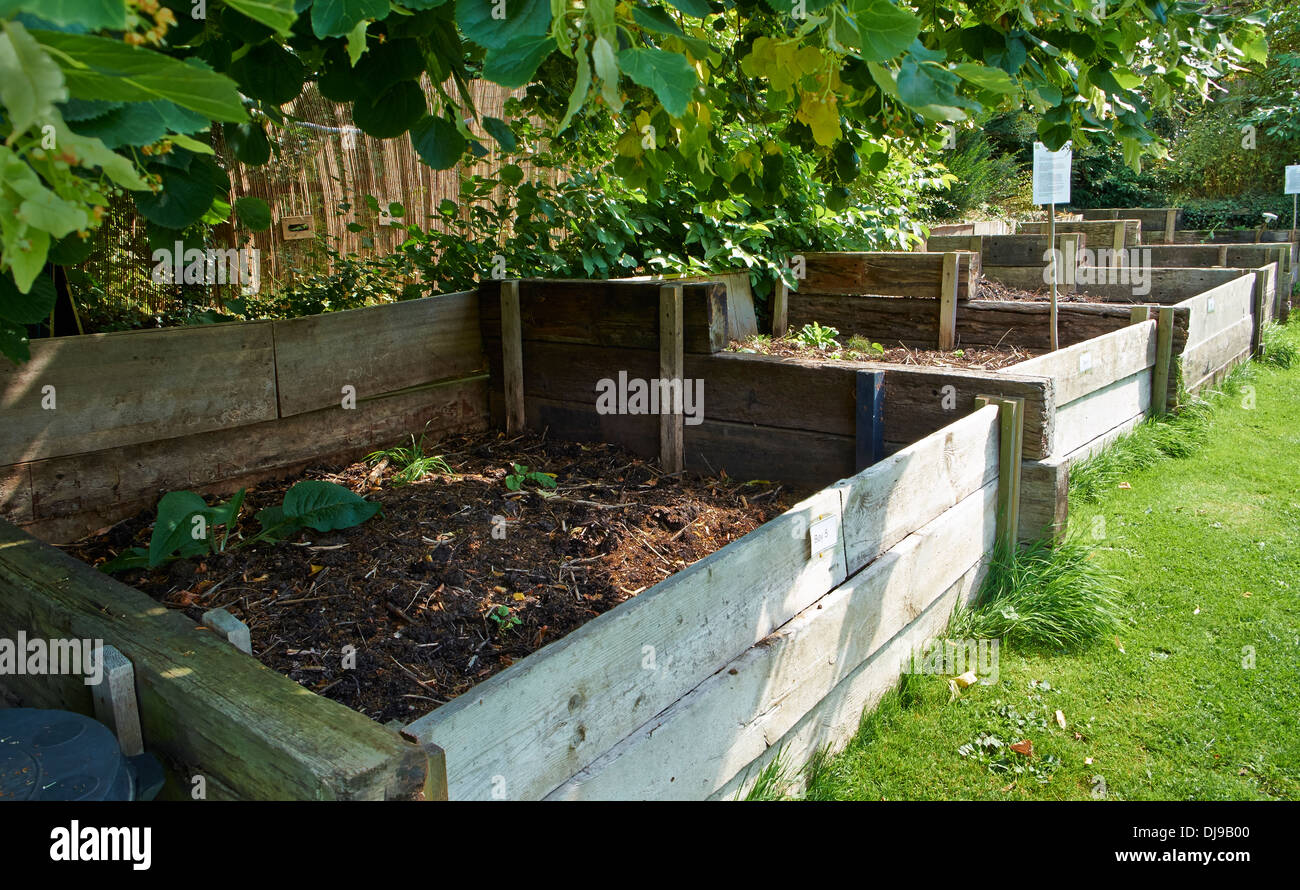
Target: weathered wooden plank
<point x="948" y="302"/>
<point x="900" y="273"/>
<point x="1209" y="358"/>
<point x="1010" y="451"/>
<point x="1164" y="358"/>
<point x="672" y="367"/>
<point x="1088" y="366"/>
<point x="834" y="719"/>
<point x="376" y="350"/>
<point x="911" y="322"/>
<point x="528" y="729"/>
<point x="608" y="313"/>
<point x="134" y="386"/>
<point x="16" y="493"/>
<point x="1163" y="286"/>
<point x="1044" y="499"/>
<point x="1100" y="233"/>
<point x="797" y="457"/>
<point x="79" y="493"/>
<point x="1004" y="250"/>
<point x="707" y="737"/>
<point x="1153" y="219"/>
<point x="1220" y="307"/>
<point x="1095" y="414"/>
<point x="512" y="357"/>
<point x="741" y="322"/>
<point x="886" y="502"/>
<point x="205" y="708"/>
<point x="780" y="309"/>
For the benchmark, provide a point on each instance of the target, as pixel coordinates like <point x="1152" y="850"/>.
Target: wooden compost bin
<point x="1158" y="223"/>
<point x="214" y="408"/>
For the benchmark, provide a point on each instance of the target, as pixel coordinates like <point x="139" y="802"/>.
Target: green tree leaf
<point x="391" y="113"/>
<point x="438" y="142"/>
<point x="885" y="29"/>
<point x="335" y="18"/>
<point x="249" y="143"/>
<point x="697" y="8"/>
<point x="14" y="344"/>
<point x="91" y="14"/>
<point x="670" y="75"/>
<point x="270" y="72"/>
<point x="521" y="19"/>
<point x="32" y="307"/>
<point x="501" y="132"/>
<point x="31" y="83"/>
<point x="515" y="64"/>
<point x="173" y="531"/>
<point x="253" y="213"/>
<point x="101" y="68"/>
<point x="277" y="15"/>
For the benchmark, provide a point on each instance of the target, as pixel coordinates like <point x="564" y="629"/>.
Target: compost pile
<point x="987" y="289"/>
<point x="430" y="598"/>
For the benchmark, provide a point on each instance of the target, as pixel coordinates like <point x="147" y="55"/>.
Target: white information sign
<point x="1292" y="180"/>
<point x="1051" y="175"/>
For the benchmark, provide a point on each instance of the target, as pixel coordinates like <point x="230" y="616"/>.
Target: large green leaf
<point x="31" y="83"/>
<point x="185" y="196"/>
<point x="438" y="142"/>
<point x="26" y="308"/>
<point x="270" y="72"/>
<point x="515" y="64"/>
<point x="249" y="143"/>
<point x="670" y="75"/>
<point x="885" y="29"/>
<point x="520" y="19"/>
<point x="14" y="344"/>
<point x="501" y="132"/>
<point x="697" y="8"/>
<point x="101" y="68"/>
<point x="325" y="506"/>
<point x="275" y="14"/>
<point x="337" y="18"/>
<point x="173" y="530"/>
<point x="391" y="113"/>
<point x="91" y="14"/>
<point x="253" y="213"/>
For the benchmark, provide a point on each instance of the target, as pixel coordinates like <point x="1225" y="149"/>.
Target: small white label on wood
<point x="1292" y="180"/>
<point x="1085" y="362"/>
<point x="1051" y="175"/>
<point x="823" y="535"/>
<point x="1209" y="305"/>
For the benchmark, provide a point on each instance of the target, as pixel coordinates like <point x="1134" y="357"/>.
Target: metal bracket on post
<point x="1011" y="446"/>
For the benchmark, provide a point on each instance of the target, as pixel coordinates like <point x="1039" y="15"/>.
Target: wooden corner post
<point x="1164" y="359"/>
<point x="1071" y="243"/>
<point x="1011" y="446"/>
<point x="780" y="308"/>
<point x="512" y="355"/>
<point x="948" y="302"/>
<point x="672" y="368"/>
<point x="1257" y="323"/>
<point x="870" y="440"/>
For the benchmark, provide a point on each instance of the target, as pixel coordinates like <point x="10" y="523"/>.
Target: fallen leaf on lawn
<point x="500" y="589"/>
<point x="966" y="679"/>
<point x="1246" y="594"/>
<point x="1025" y="747"/>
<point x="952" y="690"/>
<point x="1196" y="611"/>
<point x="1120" y="646"/>
<point x="1060" y="720"/>
<point x="518" y="597"/>
<point x="1125" y="485"/>
<point x="1087" y="761"/>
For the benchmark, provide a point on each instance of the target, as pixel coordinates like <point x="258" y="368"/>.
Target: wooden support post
<point x="870" y="440"/>
<point x="976" y="244"/>
<point x="1164" y="358"/>
<point x="1223" y="255"/>
<point x="1170" y="216"/>
<point x="948" y="302"/>
<point x="1070" y="259"/>
<point x="512" y="355"/>
<point x="672" y="367"/>
<point x="1118" y="238"/>
<point x="435" y="781"/>
<point x="1011" y="442"/>
<point x="115" y="702"/>
<point x="780" y="308"/>
<point x="1139" y="314"/>
<point x="1257" y="322"/>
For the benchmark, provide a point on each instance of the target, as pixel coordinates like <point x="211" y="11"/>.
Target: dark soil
<point x="983" y="358"/>
<point x="415" y="589"/>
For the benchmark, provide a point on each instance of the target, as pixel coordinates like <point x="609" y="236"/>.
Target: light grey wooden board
<point x="1219" y="307"/>
<point x="1087" y="367"/>
<point x="1222" y="350"/>
<point x="696" y="746"/>
<point x="1163" y="286"/>
<point x="378" y="349"/>
<point x="834" y="720"/>
<point x="1086" y="418"/>
<point x="887" y="501"/>
<point x="528" y="729"/>
<point x="135" y="386"/>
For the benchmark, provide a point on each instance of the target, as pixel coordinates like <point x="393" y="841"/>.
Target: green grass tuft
<point x="771" y="781"/>
<point x="410" y="462"/>
<point x="1280" y="347"/>
<point x="1044" y="596"/>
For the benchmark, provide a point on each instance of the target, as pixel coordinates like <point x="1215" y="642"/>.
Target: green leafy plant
<point x="504" y="619"/>
<point x="522" y="474"/>
<point x="817" y="336"/>
<point x="411" y="463"/>
<point x="865" y="346"/>
<point x="186" y="526"/>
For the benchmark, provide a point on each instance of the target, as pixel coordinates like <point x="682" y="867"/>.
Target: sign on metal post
<point x="1052" y="187"/>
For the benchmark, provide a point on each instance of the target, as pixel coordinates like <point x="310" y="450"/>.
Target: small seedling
<point x="504" y="619"/>
<point x="865" y="346"/>
<point x="522" y="474"/>
<point x="816" y="336"/>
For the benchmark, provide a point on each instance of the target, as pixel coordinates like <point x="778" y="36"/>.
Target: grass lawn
<point x="1198" y="695"/>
